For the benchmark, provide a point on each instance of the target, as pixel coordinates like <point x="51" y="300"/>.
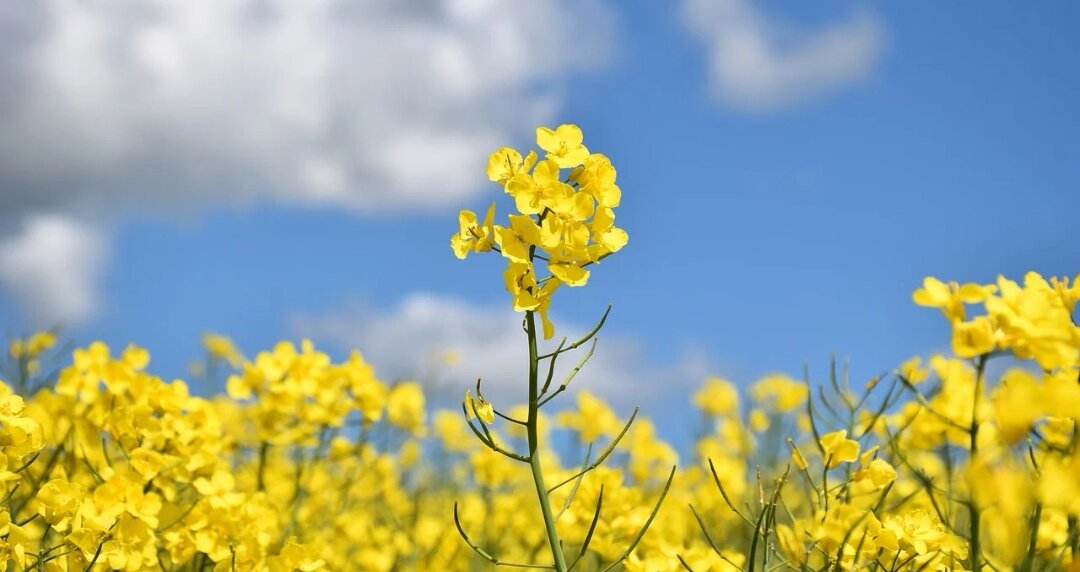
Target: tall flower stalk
<point x="566" y="222"/>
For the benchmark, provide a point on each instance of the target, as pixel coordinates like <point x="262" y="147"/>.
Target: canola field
<point x="959" y="461"/>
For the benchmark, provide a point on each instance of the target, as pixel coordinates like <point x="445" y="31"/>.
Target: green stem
<point x="534" y="454"/>
<point x="974" y="517"/>
<point x="264" y="449"/>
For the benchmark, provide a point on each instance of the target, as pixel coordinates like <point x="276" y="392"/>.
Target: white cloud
<point x="52" y="266"/>
<point x="411" y="340"/>
<point x="758" y="65"/>
<point x="115" y="106"/>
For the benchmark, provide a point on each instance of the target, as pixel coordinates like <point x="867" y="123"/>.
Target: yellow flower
<point x="541" y="190"/>
<point x="451" y="430"/>
<point x="479" y="407"/>
<point x="529" y="295"/>
<point x="506" y="163"/>
<point x="779" y="392"/>
<point x="608" y="237"/>
<point x="592" y="419"/>
<point x="1035" y="323"/>
<point x="950" y="298"/>
<point x="33" y="346"/>
<point x="1069" y="292"/>
<point x="717" y="397"/>
<point x="759" y="420"/>
<point x="838" y="448"/>
<point x="135" y="357"/>
<point x="1017" y="403"/>
<point x="405" y="406"/>
<point x="973" y="338"/>
<point x="797" y="457"/>
<point x="569" y="273"/>
<point x="912" y="372"/>
<point x="471" y="236"/>
<point x="597" y="178"/>
<point x="564" y="225"/>
<point x="59" y="500"/>
<point x="222" y="348"/>
<point x="878" y="471"/>
<point x="297" y="557"/>
<point x="790" y="544"/>
<point x="563" y="145"/>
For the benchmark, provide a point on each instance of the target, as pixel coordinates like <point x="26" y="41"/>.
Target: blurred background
<point x="287" y="169"/>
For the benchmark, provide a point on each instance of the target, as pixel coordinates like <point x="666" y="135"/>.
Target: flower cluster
<point x="1034" y="321"/>
<point x="569" y="218"/>
<point x="311" y="464"/>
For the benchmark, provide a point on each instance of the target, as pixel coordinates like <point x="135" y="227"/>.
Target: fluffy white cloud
<point x="758" y="65"/>
<point x="119" y="105"/>
<point x="52" y="265"/>
<point x="413" y="340"/>
<point x="371" y="104"/>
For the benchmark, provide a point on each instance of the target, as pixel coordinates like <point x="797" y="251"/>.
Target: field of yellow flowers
<point x="309" y="464"/>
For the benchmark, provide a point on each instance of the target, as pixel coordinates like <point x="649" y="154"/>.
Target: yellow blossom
<point x="950" y="298"/>
<point x="222" y="348"/>
<point x="717" y="397"/>
<point x="838" y="448"/>
<point x="563" y="144"/>
<point x="506" y="163"/>
<point x="478" y="407"/>
<point x="973" y="338"/>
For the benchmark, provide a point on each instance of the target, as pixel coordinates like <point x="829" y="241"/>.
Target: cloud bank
<point x="116" y="106"/>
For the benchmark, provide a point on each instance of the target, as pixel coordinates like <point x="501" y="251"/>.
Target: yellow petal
<point x="571" y="274"/>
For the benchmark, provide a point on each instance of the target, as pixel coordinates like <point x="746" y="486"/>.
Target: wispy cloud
<point x="758" y="65"/>
<point x="412" y="341"/>
<point x="114" y="106"/>
<point x="52" y="266"/>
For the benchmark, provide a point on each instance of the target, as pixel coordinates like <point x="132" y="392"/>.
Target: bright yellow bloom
<point x="528" y="294"/>
<point x="471" y="236"/>
<point x="912" y="372"/>
<point x="779" y="392"/>
<point x="592" y="419"/>
<point x="479" y="407"/>
<point x="717" y="397"/>
<point x="1035" y="323"/>
<point x="1017" y="403"/>
<point x="759" y="420"/>
<point x="564" y="145"/>
<point x="566" y="222"/>
<point x="539" y="191"/>
<point x="950" y="298"/>
<point x="797" y="457"/>
<point x="791" y="544"/>
<point x="1069" y="291"/>
<point x="608" y="237"/>
<point x="33" y="346"/>
<point x="838" y="448"/>
<point x="973" y="338"/>
<point x="878" y="471"/>
<point x="569" y="273"/>
<point x="506" y="163"/>
<point x="405" y="406"/>
<point x="597" y="178"/>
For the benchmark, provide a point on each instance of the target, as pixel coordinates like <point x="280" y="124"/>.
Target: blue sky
<point x="765" y="233"/>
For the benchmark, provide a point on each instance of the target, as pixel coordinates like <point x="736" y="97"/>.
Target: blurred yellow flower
<point x="838" y="448"/>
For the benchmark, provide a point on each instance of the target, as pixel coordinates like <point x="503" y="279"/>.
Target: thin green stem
<point x="534" y="441"/>
<point x="974" y="516"/>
